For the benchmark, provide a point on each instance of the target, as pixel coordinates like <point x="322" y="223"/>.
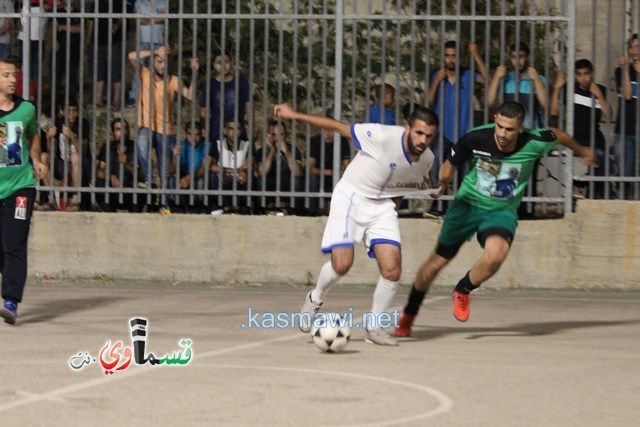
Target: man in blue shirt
<point x="451" y="97"/>
<point x="454" y="80"/>
<point x="383" y="114"/>
<point x="188" y="166"/>
<point x="627" y="76"/>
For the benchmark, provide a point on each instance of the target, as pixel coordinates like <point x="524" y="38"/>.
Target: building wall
<point x="598" y="246"/>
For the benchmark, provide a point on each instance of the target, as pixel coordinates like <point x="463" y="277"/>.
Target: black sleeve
<point x="461" y="152"/>
<point x="58" y="122"/>
<point x="102" y="153"/>
<point x="345" y="149"/>
<point x="603" y="90"/>
<point x="314" y="149"/>
<point x="86" y="130"/>
<point x="298" y="154"/>
<point x="213" y="150"/>
<point x="44" y="146"/>
<point x="547" y="136"/>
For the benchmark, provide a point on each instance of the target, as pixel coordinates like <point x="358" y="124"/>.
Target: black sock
<point x="465" y="286"/>
<point x="415" y="301"/>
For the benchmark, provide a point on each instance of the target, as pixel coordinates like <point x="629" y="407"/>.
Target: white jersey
<point x="382" y="169"/>
<point x="232" y="159"/>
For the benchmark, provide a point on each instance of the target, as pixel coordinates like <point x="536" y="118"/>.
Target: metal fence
<point x="327" y="57"/>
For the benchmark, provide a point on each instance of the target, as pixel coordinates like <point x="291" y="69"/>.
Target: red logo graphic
<point x="21" y="202"/>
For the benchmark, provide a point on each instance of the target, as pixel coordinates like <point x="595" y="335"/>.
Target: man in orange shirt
<point x="157" y="94"/>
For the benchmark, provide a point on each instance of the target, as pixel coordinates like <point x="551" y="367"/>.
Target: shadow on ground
<point x="51" y="310"/>
<point x="519" y="329"/>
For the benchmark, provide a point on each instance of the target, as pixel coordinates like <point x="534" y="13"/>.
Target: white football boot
<point x="309" y="310"/>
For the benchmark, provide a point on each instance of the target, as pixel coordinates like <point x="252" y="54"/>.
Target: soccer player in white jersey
<point x="392" y="162"/>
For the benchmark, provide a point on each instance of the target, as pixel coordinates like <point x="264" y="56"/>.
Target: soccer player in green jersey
<point x="501" y="158"/>
<point x="19" y="158"/>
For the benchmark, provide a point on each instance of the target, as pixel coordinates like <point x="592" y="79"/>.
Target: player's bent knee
<point x="341" y="267"/>
<point x="392" y="275"/>
<point x="494" y="264"/>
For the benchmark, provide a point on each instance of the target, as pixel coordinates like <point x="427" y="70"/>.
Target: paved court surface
<point x="538" y="358"/>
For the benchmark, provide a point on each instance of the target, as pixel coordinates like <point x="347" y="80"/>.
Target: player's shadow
<point x="516" y="330"/>
<point x="51" y="310"/>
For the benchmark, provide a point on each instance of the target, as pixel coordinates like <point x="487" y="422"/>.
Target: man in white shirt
<point x="229" y="160"/>
<point x="392" y="162"/>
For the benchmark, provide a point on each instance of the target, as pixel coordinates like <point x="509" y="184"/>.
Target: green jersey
<point x="497" y="180"/>
<point x="17" y="127"/>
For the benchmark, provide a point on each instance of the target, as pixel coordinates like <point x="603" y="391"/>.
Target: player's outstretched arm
<point x="586" y="154"/>
<point x="286" y="112"/>
<point x="445" y="176"/>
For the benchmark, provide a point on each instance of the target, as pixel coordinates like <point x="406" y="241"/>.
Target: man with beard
<point x="392" y="162"/>
<point x="451" y="94"/>
<point x="451" y="91"/>
<point x="158" y="93"/>
<point x="492" y="215"/>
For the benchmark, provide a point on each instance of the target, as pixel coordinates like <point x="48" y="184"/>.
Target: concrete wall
<point x="599" y="246"/>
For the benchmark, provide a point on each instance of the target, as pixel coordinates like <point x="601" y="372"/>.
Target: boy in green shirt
<point x="19" y="159"/>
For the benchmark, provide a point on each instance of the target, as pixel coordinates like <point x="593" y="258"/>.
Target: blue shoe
<point x="9" y="312"/>
<point x="130" y="103"/>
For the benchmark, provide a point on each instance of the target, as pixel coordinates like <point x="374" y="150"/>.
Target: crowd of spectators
<point x="213" y="161"/>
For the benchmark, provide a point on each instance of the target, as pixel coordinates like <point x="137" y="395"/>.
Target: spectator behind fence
<point x="33" y="84"/>
<point x="187" y="169"/>
<point x="626" y="143"/>
<point x="67" y="28"/>
<point x="158" y="93"/>
<point x="120" y="161"/>
<point x="36" y="35"/>
<point x="451" y="97"/>
<point x="221" y="96"/>
<point x="109" y="36"/>
<point x="531" y="93"/>
<point x="150" y="35"/>
<point x="67" y="139"/>
<point x="531" y="89"/>
<point x="6" y="26"/>
<point x="321" y="155"/>
<point x="229" y="159"/>
<point x="278" y="162"/>
<point x="381" y="111"/>
<point x="587" y="97"/>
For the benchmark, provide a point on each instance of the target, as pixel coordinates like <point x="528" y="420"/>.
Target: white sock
<point x="382" y="296"/>
<point x="326" y="279"/>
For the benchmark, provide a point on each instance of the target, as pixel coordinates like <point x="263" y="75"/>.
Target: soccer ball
<point x="331" y="338"/>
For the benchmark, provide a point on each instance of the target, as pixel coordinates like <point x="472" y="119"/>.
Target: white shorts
<point x="353" y="218"/>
